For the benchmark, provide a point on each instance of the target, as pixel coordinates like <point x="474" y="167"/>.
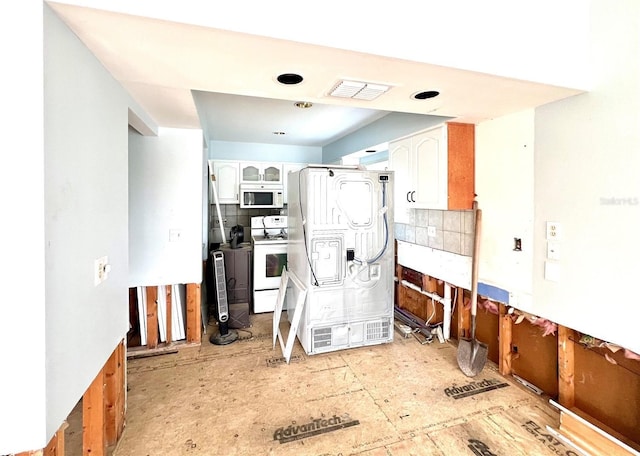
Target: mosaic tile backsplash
<point x="233" y="214"/>
<point x="453" y="230"/>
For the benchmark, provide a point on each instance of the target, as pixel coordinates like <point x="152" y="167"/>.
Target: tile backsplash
<point x="453" y="230"/>
<point x="233" y="214"/>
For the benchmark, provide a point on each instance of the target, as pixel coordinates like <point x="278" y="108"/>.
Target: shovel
<point x="472" y="354"/>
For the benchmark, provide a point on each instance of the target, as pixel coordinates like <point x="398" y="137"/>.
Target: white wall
<point x="165" y="196"/>
<point x="85" y="150"/>
<point x="22" y="320"/>
<point x="504" y="185"/>
<point x="587" y="151"/>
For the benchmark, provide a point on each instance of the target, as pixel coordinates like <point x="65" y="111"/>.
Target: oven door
<point x="268" y="261"/>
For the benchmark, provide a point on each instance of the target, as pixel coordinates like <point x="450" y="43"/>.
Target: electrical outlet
<point x="553" y="231"/>
<point x="431" y="231"/>
<point x="101" y="268"/>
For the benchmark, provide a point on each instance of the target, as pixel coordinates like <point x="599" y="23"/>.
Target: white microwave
<point x="261" y="196"/>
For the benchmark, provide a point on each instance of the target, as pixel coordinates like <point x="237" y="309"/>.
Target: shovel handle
<point x="474" y="268"/>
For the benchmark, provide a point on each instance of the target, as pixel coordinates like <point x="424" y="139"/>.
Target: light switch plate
<point x="431" y="231"/>
<point x="553" y="250"/>
<point x="101" y="270"/>
<point x="175" y="235"/>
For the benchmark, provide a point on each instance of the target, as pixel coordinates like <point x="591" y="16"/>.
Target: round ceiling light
<point x="289" y="78"/>
<point x="303" y="104"/>
<point x="426" y="95"/>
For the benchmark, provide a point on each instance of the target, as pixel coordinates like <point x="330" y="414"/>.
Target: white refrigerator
<point x="341" y="250"/>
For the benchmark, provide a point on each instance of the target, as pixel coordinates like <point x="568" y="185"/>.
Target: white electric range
<point x="269" y="239"/>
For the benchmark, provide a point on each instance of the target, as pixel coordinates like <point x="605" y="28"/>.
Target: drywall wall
<point x="22" y="324"/>
<point x="165" y="207"/>
<point x="504" y="185"/>
<point x="587" y="164"/>
<point x="85" y="153"/>
<point x="227" y="150"/>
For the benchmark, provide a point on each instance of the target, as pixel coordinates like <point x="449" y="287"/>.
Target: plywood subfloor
<point x="396" y="399"/>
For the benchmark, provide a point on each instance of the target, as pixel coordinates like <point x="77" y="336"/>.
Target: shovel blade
<point x="472" y="356"/>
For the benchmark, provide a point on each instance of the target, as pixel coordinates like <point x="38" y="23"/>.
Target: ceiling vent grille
<point x="358" y="90"/>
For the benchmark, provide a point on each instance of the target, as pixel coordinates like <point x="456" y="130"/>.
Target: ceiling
<point x="191" y="76"/>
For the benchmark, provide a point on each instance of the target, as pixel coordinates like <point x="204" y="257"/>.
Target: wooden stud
<point x="194" y="318"/>
<point x="152" y="317"/>
<point x="566" y="386"/>
<point x="429" y="284"/>
<point x="121" y="382"/>
<point x="591" y="436"/>
<point x="464" y="317"/>
<point x="505" y="337"/>
<point x="114" y="395"/>
<point x="93" y="413"/>
<point x="167" y="289"/>
<point x="56" y="444"/>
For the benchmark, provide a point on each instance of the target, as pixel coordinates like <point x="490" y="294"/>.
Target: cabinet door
<point x="430" y="165"/>
<point x="227" y="185"/>
<point x="250" y="173"/>
<point x="400" y="163"/>
<point x="272" y="173"/>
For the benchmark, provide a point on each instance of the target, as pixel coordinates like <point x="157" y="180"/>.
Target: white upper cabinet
<point x="434" y="169"/>
<point x="261" y="173"/>
<point x="430" y="169"/>
<point x="227" y="181"/>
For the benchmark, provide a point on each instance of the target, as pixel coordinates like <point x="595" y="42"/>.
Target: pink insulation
<point x="631" y="355"/>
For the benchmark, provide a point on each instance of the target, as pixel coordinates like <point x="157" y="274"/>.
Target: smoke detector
<point x="358" y="90"/>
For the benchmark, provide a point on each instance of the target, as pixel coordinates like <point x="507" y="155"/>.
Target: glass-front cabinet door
<point x="261" y="172"/>
<point x="250" y="173"/>
<point x="273" y="174"/>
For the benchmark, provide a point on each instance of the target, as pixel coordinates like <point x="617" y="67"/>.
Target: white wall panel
<point x="504" y="185"/>
<point x="586" y="178"/>
<point x="165" y="207"/>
